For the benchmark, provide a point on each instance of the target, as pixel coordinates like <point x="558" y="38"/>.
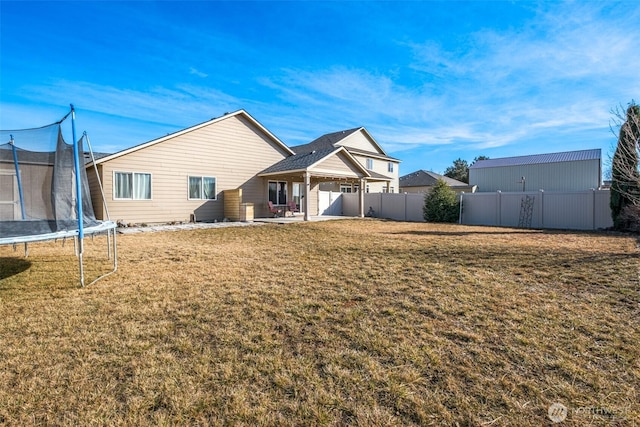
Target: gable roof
<point x="333" y="139"/>
<point x="566" y="156"/>
<point x="307" y="160"/>
<point x="423" y="178"/>
<point x="242" y="113"/>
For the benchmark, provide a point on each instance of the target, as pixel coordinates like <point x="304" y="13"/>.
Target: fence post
<point x="541" y="208"/>
<point x="499" y="213"/>
<point x="593" y="210"/>
<point x="460" y="214"/>
<point x="405" y="206"/>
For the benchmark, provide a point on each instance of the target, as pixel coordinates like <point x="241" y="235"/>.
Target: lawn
<point x="351" y="322"/>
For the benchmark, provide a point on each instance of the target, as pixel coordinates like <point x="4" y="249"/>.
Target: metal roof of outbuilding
<point x="567" y="156"/>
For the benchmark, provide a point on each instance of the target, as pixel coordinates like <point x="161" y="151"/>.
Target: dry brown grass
<point x="358" y="322"/>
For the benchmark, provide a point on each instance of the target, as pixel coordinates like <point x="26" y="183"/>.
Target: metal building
<point x="566" y="171"/>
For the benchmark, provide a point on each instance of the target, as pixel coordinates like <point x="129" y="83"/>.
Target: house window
<point x="370" y="164"/>
<point x="384" y="189"/>
<point x="202" y="188"/>
<point x="390" y="168"/>
<point x="132" y="186"/>
<point x="278" y="192"/>
<point x="345" y="188"/>
<point x="391" y="190"/>
<point x="366" y="189"/>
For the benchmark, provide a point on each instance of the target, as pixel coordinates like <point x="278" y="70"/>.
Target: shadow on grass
<point x="12" y="266"/>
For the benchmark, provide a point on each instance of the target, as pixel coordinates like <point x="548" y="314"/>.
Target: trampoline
<point x="45" y="193"/>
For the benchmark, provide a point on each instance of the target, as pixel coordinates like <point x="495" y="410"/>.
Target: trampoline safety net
<point x="39" y="189"/>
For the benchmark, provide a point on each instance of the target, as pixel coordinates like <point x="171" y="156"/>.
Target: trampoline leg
<point x="108" y="244"/>
<point x="81" y="270"/>
<point x="26" y="250"/>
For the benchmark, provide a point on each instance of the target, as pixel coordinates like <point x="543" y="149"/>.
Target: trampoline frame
<point x="78" y="233"/>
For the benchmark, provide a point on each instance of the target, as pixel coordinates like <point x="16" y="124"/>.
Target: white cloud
<point x="197" y="72"/>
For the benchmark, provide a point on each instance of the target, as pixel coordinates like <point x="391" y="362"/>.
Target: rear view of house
<point x="182" y="176"/>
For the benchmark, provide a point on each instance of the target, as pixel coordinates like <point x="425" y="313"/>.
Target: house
<point x="382" y="169"/>
<point x="565" y="171"/>
<point x="183" y="176"/>
<point x="422" y="181"/>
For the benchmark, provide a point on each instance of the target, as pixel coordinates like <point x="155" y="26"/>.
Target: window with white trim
<point x="278" y="192"/>
<point x="370" y="164"/>
<point x="366" y="190"/>
<point x="131" y="186"/>
<point x="202" y="188"/>
<point x="345" y="188"/>
<point x="390" y="167"/>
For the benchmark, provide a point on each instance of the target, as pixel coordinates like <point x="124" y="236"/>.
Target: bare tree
<point x="625" y="185"/>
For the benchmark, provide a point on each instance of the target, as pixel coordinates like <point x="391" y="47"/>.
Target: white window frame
<point x="370" y="164"/>
<point x="215" y="187"/>
<point x="346" y="188"/>
<point x="133" y="177"/>
<point x="390" y="167"/>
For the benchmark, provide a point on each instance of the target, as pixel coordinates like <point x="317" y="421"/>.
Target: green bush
<point x="441" y="204"/>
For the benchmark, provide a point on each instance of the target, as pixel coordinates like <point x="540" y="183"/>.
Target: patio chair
<point x="293" y="208"/>
<point x="275" y="210"/>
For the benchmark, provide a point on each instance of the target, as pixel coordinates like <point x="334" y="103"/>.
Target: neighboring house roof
<point x="195" y="127"/>
<point x="423" y="178"/>
<point x="334" y="139"/>
<point x="567" y="156"/>
<point x="307" y="160"/>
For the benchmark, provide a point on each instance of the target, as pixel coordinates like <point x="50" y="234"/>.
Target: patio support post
<point x="361" y="197"/>
<point x="307" y="195"/>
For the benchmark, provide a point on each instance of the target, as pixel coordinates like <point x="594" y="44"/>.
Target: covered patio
<point x="300" y="176"/>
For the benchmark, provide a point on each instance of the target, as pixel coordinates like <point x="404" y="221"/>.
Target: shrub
<point x="629" y="219"/>
<point x="441" y="204"/>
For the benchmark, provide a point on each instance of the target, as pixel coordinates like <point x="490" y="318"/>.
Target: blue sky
<point x="431" y="81"/>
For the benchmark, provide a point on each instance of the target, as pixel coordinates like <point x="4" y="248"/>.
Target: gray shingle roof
<point x="299" y="161"/>
<point x="325" y="141"/>
<point x="331" y="139"/>
<point x="422" y="178"/>
<point x="567" y="156"/>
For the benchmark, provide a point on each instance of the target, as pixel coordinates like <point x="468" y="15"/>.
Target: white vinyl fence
<point x="577" y="210"/>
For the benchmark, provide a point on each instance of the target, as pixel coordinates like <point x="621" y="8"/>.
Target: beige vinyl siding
<point x="359" y="141"/>
<point x="380" y="166"/>
<point x="338" y="165"/>
<point x="94" y="188"/>
<point x="232" y="150"/>
<point x="313" y="197"/>
<point x="560" y="176"/>
<point x="424" y="189"/>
